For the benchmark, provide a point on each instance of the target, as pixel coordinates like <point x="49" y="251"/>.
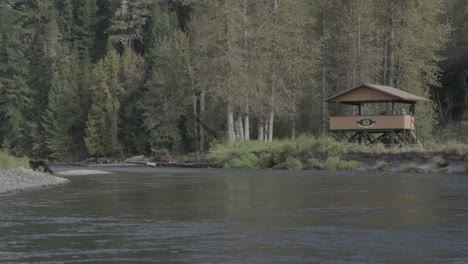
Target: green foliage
<point x="412" y="167"/>
<point x="98" y="138"/>
<point x="64" y="88"/>
<point x="246" y="161"/>
<point x="15" y="93"/>
<point x="335" y="163"/>
<point x="9" y="162"/>
<point x="282" y="153"/>
<point x="126" y="25"/>
<point x="382" y="165"/>
<point x="289" y="164"/>
<point x="441" y="162"/>
<point x="312" y="163"/>
<point x="168" y="95"/>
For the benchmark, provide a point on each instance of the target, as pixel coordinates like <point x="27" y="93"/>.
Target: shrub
<point x="413" y="167"/>
<point x="265" y="160"/>
<point x="335" y="163"/>
<point x="441" y="162"/>
<point x="312" y="163"/>
<point x="381" y="165"/>
<point x="290" y="164"/>
<point x="246" y="161"/>
<point x="9" y="162"/>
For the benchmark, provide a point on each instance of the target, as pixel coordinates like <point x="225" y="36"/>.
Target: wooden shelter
<point x="388" y="126"/>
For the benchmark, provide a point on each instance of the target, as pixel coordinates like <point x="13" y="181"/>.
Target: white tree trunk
<point x="247" y="127"/>
<point x="202" y="120"/>
<point x="230" y="120"/>
<point x="195" y="114"/>
<point x="270" y="126"/>
<point x="241" y="127"/>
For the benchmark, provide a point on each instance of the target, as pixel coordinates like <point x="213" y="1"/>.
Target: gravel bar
<point x="21" y="179"/>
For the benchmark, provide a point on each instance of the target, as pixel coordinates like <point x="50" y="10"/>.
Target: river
<point x="147" y="215"/>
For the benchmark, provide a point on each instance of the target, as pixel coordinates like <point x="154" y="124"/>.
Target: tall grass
<point x="281" y="153"/>
<point x="9" y="162"/>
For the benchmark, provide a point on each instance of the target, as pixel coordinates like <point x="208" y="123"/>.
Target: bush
<point x="335" y="163"/>
<point x="246" y="161"/>
<point x="413" y="167"/>
<point x="290" y="164"/>
<point x="381" y="165"/>
<point x="265" y="160"/>
<point x="312" y="163"/>
<point x="441" y="162"/>
<point x="9" y="162"/>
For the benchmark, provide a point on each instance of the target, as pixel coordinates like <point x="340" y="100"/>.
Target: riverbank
<point x="307" y="152"/>
<point x="21" y="179"/>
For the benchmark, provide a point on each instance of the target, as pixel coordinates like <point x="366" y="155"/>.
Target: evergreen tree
<point x="168" y="92"/>
<point x="15" y="94"/>
<point x="127" y="24"/>
<point x="98" y="137"/>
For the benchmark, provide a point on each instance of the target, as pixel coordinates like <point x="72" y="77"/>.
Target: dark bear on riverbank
<point x="40" y="165"/>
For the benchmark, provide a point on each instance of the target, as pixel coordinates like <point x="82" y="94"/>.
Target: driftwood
<point x="182" y="165"/>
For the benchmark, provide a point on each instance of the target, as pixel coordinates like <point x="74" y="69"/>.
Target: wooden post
<point x="412" y="109"/>
<point x="392" y="137"/>
<point x="360" y="109"/>
<point x="393" y="108"/>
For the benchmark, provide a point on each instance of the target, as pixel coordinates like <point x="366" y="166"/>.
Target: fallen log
<point x="186" y="165"/>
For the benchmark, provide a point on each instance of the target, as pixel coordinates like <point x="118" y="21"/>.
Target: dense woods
<point x="123" y="77"/>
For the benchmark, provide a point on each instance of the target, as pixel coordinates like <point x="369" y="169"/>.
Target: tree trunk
<point x="260" y="130"/>
<point x="265" y="137"/>
<point x="195" y="113"/>
<point x="230" y="120"/>
<point x="247" y="124"/>
<point x="391" y="51"/>
<point x="202" y="119"/>
<point x="293" y="129"/>
<point x="270" y="126"/>
<point x="241" y="127"/>
<point x="293" y="123"/>
<point x="323" y="118"/>
<point x="236" y="128"/>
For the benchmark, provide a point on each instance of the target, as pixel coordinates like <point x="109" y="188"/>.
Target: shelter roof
<point x="374" y="93"/>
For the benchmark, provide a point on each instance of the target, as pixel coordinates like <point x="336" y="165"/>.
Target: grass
<point x="312" y="163"/>
<point x="335" y="164"/>
<point x="382" y="165"/>
<point x="288" y="154"/>
<point x="9" y="162"/>
<point x="441" y="162"/>
<point x="289" y="164"/>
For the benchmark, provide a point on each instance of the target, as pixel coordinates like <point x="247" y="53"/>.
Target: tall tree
<point x="168" y="92"/>
<point x="15" y="94"/>
<point x="102" y="134"/>
<point x="127" y="24"/>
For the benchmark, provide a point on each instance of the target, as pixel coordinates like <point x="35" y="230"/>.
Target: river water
<point x="143" y="215"/>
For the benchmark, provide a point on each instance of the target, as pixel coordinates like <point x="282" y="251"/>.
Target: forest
<point x="82" y="78"/>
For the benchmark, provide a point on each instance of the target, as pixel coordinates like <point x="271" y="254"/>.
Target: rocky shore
<point x="21" y="179"/>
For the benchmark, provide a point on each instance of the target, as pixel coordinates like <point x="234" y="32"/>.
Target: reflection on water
<point x="239" y="216"/>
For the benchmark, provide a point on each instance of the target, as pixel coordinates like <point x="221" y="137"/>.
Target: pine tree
<point x="98" y="137"/>
<point x="168" y="92"/>
<point x="128" y="21"/>
<point x="15" y="93"/>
